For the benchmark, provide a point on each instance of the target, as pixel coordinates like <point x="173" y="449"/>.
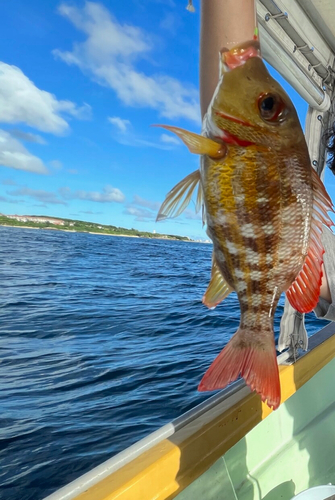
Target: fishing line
<point x="230" y="479"/>
<point x="255" y="37"/>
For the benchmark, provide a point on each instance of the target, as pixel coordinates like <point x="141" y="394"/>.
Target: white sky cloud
<point x="109" y="194"/>
<point x="146" y="210"/>
<point x="124" y="135"/>
<point x="191" y="215"/>
<point x="7" y="200"/>
<point x="26" y="136"/>
<point x="121" y="124"/>
<point x="56" y="164"/>
<point x="169" y="139"/>
<point x="64" y="194"/>
<point x="140" y="214"/>
<point x="40" y="195"/>
<point x="170" y="22"/>
<point x="109" y="55"/>
<point x="22" y="102"/>
<point x="89" y="212"/>
<point x="14" y="155"/>
<point x="153" y="205"/>
<point x="134" y="141"/>
<point x="8" y="182"/>
<point x="142" y="210"/>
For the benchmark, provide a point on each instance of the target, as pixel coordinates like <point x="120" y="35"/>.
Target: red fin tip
<point x="256" y="363"/>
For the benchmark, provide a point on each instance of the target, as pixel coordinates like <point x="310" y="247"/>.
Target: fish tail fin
<point x="255" y="361"/>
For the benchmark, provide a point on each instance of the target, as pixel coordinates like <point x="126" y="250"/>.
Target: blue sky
<point x="81" y="83"/>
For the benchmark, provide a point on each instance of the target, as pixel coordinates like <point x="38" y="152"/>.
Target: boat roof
<point x="322" y="13"/>
<point x="298" y="39"/>
<point x="300" y="49"/>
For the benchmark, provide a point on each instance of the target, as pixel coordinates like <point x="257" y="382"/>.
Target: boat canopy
<point x="293" y="44"/>
<point x="298" y="40"/>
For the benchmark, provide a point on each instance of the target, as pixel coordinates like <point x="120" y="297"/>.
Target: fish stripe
<point x="251" y="231"/>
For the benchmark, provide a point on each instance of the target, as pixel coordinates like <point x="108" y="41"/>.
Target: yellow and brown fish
<point x="264" y="206"/>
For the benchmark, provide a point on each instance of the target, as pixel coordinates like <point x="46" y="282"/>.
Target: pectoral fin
<point x="198" y="144"/>
<point x="180" y="196"/>
<point x="218" y="289"/>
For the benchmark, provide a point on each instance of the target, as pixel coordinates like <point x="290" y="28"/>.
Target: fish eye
<point x="272" y="108"/>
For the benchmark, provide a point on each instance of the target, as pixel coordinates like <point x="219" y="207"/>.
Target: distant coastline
<point x="23" y="226"/>
<point x="76" y="226"/>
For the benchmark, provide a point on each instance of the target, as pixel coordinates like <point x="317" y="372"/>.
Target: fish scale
<point x="264" y="207"/>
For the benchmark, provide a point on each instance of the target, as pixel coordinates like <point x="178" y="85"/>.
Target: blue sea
<point x="103" y="340"/>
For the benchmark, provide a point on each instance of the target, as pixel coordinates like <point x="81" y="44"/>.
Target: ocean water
<point x="103" y="340"/>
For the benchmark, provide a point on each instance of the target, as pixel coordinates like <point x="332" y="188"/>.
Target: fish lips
<point x="237" y="56"/>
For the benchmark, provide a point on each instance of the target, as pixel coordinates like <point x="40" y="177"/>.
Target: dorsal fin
<point x="218" y="289"/>
<point x="180" y="196"/>
<point x="304" y="292"/>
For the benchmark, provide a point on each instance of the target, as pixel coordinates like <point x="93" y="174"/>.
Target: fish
<point x="264" y="207"/>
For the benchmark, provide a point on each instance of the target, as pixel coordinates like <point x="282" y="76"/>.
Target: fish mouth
<point x="237" y="56"/>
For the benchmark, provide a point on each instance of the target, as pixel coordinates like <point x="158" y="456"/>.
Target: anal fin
<point x="218" y="289"/>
